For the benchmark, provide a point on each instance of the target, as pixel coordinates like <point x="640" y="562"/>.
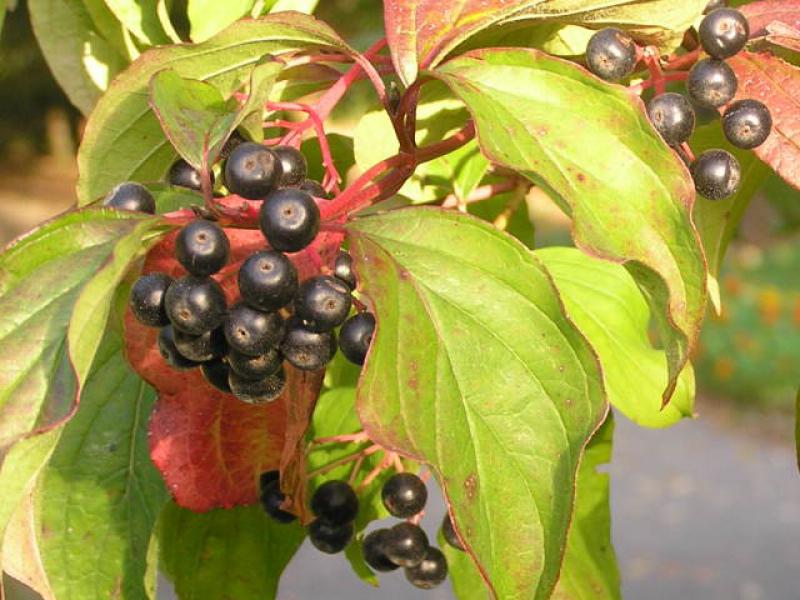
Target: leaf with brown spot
<point x="761" y="14"/>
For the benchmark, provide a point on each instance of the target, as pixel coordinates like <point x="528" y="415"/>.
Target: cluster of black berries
<point x="240" y="349"/>
<point x="711" y="84"/>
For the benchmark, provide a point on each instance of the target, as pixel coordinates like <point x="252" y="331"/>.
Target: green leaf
<point x="209" y="17"/>
<point x="591" y="146"/>
<point x="476" y="370"/>
<point x="141" y="18"/>
<point x="590" y="569"/>
<point x="603" y="301"/>
<point x="797" y="428"/>
<point x="123" y="139"/>
<point x="100" y="490"/>
<point x="237" y="553"/>
<point x="304" y="6"/>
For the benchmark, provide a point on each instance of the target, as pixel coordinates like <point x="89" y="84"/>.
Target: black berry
<point x="293" y="166"/>
<point x="268" y="476"/>
<point x="449" y="533"/>
<point x="723" y="32"/>
<point x="259" y="391"/>
<point x="306" y="349"/>
<point x="716" y="174"/>
<point x="253" y="332"/>
<point x="343" y="269"/>
<point x="406" y="544"/>
<point x="195" y="304"/>
<point x="714" y="5"/>
<point x="335" y="502"/>
<point x="255" y="367"/>
<point x="182" y="174"/>
<point x="203" y="347"/>
<point x="431" y="572"/>
<point x="289" y="219"/>
<point x="131" y="196"/>
<point x="374" y="551"/>
<point x="216" y="373"/>
<point x="202" y="248"/>
<point x="314" y="188"/>
<point x="235" y="140"/>
<point x="328" y="538"/>
<point x="252" y="171"/>
<point x="322" y="302"/>
<point x="268" y="280"/>
<point x="271" y="499"/>
<point x="147" y="299"/>
<point x="355" y="337"/>
<point x="404" y="495"/>
<point x="747" y="123"/>
<point x="168" y="351"/>
<point x="711" y="83"/>
<point x="673" y="117"/>
<point x="611" y="54"/>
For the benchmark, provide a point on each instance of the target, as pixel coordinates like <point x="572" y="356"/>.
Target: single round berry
<point x="147" y="299"/>
<point x="182" y="174"/>
<point x="253" y="332"/>
<point x="314" y="188"/>
<point x="374" y="551"/>
<point x="449" y="533"/>
<point x="335" y="502"/>
<point x="131" y="196"/>
<point x="293" y="166"/>
<point x="343" y="269"/>
<point x="714" y="5"/>
<point x="673" y="117"/>
<point x="252" y="171"/>
<point x="168" y="351"/>
<point x="355" y="337"/>
<point x="406" y="544"/>
<point x="201" y="348"/>
<point x="289" y="220"/>
<point x="322" y="302"/>
<point x="195" y="304"/>
<point x="329" y="538"/>
<point x="747" y="124"/>
<point x="404" y="495"/>
<point x="271" y="499"/>
<point x="202" y="247"/>
<point x="268" y="280"/>
<point x="723" y="32"/>
<point x="307" y="350"/>
<point x="255" y="367"/>
<point x="716" y="174"/>
<point x="711" y="83"/>
<point x="611" y="54"/>
<point x="235" y="140"/>
<point x="431" y="572"/>
<point x="216" y="373"/>
<point x="268" y="476"/>
<point x="259" y="391"/>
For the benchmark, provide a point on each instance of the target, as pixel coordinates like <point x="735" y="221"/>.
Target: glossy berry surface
<point x="404" y="495"/>
<point x="322" y="302"/>
<point x="258" y="391"/>
<point x="216" y="373"/>
<point x="406" y="544"/>
<point x="429" y="573"/>
<point x="147" y="299"/>
<point x="131" y="196"/>
<point x="374" y="551"/>
<point x="293" y="166"/>
<point x="673" y="117"/>
<point x="747" y="123"/>
<point x="201" y="348"/>
<point x="716" y="174"/>
<point x="335" y="502"/>
<point x="182" y="174"/>
<point x="611" y="54"/>
<point x="253" y="332"/>
<point x="252" y="171"/>
<point x="289" y="220"/>
<point x="343" y="269"/>
<point x="195" y="304"/>
<point x="449" y="533"/>
<point x="202" y="248"/>
<point x="307" y="350"/>
<point x="169" y="352"/>
<point x="723" y="32"/>
<point x="268" y="280"/>
<point x="355" y="337"/>
<point x="329" y="538"/>
<point x="314" y="188"/>
<point x="714" y="5"/>
<point x="255" y="367"/>
<point x="271" y="500"/>
<point x="711" y="83"/>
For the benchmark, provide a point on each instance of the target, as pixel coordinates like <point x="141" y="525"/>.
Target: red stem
<point x="665" y="78"/>
<point x="683" y="61"/>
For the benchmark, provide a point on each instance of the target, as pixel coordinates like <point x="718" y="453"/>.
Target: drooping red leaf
<point x="776" y="83"/>
<point x="781" y="34"/>
<point x="761" y="14"/>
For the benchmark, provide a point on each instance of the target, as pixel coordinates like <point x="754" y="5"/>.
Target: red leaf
<point x="209" y="446"/>
<point x="776" y="83"/>
<point x="761" y="14"/>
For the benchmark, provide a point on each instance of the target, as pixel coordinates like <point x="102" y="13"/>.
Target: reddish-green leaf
<point x="475" y="370"/>
<point x="761" y="14"/>
<point x="590" y="144"/>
